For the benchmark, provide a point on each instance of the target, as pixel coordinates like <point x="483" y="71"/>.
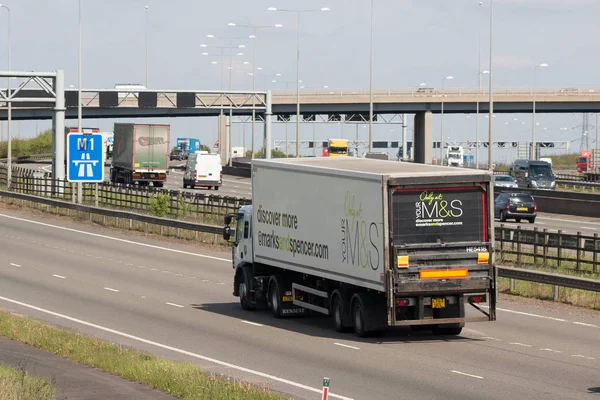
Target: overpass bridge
<point x="49" y="100"/>
<point x="113" y="103"/>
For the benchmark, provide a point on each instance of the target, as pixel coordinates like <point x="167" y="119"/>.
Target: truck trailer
<point x="140" y="154"/>
<point x="373" y="243"/>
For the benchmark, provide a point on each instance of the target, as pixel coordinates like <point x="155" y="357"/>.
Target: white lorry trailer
<point x="373" y="243"/>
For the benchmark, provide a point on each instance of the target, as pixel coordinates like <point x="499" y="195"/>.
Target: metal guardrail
<point x="166" y="222"/>
<point x="33" y="157"/>
<point x="508" y="272"/>
<point x="549" y="278"/>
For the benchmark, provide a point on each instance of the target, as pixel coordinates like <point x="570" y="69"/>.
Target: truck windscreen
<point x="442" y="215"/>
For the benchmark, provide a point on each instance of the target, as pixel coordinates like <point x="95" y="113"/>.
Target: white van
<point x="203" y="169"/>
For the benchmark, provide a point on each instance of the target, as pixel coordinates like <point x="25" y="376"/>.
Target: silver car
<point x="506" y="181"/>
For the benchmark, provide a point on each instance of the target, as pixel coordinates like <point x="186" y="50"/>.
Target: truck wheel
<point x="243" y="290"/>
<point x="275" y="298"/>
<point x="359" y="318"/>
<point x="216" y="188"/>
<point x="336" y="310"/>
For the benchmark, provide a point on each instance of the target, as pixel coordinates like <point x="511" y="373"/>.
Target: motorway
<point x="242" y="187"/>
<point x="175" y="300"/>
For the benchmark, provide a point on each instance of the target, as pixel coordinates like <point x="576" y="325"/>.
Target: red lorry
<point x="584" y="161"/>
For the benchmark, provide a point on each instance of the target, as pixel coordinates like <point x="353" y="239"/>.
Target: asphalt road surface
<point x="175" y="300"/>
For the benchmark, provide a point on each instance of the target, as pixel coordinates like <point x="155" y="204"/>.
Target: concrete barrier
<point x="244" y="172"/>
<point x="559" y="202"/>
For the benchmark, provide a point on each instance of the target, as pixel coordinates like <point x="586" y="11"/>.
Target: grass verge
<point x="183" y="380"/>
<point x="577" y="297"/>
<point x="18" y="384"/>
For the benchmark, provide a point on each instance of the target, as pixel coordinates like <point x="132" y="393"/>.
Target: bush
<point x="41" y="144"/>
<point x="159" y="205"/>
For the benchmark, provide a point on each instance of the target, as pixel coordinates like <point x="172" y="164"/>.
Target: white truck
<point x="373" y="243"/>
<point x="455" y="156"/>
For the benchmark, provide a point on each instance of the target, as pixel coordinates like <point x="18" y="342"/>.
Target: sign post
<point x="85" y="158"/>
<point x="325" y="388"/>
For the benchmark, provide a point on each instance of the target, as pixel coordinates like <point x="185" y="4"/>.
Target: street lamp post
<point x="442" y="122"/>
<point x="9" y="116"/>
<point x="146" y="26"/>
<point x="253" y="36"/>
<point x="79" y="122"/>
<point x="297" y="12"/>
<point x="371" y="83"/>
<point x="477" y="120"/>
<point x="491" y="95"/>
<point x="221" y="55"/>
<point x="533" y="154"/>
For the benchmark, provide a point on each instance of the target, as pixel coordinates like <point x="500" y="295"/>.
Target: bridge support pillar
<point x="222" y="138"/>
<point x="423" y="147"/>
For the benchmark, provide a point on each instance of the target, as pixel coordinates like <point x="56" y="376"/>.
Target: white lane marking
<point x="167" y="272"/>
<point x="47" y="168"/>
<point x="568" y="220"/>
<point x="117" y="239"/>
<point x="490" y="338"/>
<point x="251" y="323"/>
<point x="153" y="269"/>
<point x="472" y="376"/>
<point x="179" y="274"/>
<point x="347" y="346"/>
<point x="59" y="276"/>
<point x="528" y="314"/>
<point x="174" y="305"/>
<point x="580" y="356"/>
<point x="15" y="265"/>
<point x="552" y="350"/>
<point x="589" y="228"/>
<point x="584" y="324"/>
<point x="175" y="349"/>
<point x="520" y="344"/>
<point x="542" y="223"/>
<point x="111" y="289"/>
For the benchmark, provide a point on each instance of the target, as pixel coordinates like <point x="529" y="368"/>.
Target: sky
<point x="415" y="41"/>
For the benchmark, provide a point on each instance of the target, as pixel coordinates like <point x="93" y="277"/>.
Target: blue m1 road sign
<point x="85" y="158"/>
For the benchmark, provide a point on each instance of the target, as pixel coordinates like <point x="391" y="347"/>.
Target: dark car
<point x="515" y="206"/>
<point x="178" y="154"/>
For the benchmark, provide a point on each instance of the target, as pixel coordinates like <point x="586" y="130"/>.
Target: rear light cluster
<point x="534" y="207"/>
<point x="402" y="302"/>
<point x="507" y="206"/>
<point x="477" y="299"/>
<point x="195" y="174"/>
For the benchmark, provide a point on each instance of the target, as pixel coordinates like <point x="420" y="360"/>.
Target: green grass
<point x="18" y="384"/>
<point x="183" y="380"/>
<point x="577" y="297"/>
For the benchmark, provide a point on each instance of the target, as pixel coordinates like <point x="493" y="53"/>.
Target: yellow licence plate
<point x="521" y="208"/>
<point x="438" y="303"/>
<point x="287" y="298"/>
<point x="202" y="176"/>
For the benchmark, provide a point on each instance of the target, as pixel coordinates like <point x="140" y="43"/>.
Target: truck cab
<point x="338" y="148"/>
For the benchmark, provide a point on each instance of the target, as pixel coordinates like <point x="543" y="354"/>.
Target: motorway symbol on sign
<point x="85" y="158"/>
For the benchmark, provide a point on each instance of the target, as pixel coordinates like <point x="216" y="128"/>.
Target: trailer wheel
<point x="359" y="318"/>
<point x="274" y="301"/>
<point x="337" y="310"/>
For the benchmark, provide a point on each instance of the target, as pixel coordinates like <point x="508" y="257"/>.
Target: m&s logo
<point x="434" y="206"/>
